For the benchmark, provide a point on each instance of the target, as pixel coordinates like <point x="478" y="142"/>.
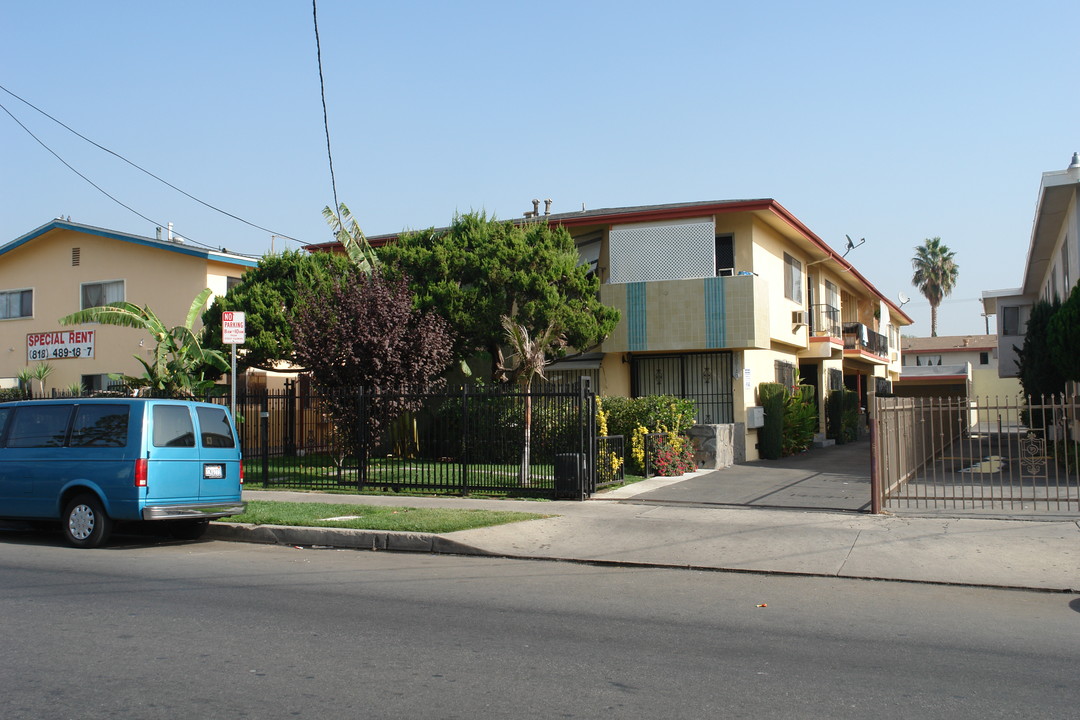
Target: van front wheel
<point x="85" y="523"/>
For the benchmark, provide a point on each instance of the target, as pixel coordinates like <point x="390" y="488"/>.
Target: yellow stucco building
<point x="62" y="267"/>
<point x="718" y="297"/>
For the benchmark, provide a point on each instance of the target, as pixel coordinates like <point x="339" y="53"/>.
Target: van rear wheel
<point x="85" y="523"/>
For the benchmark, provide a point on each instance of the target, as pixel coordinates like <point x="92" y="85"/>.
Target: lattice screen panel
<point x="662" y="251"/>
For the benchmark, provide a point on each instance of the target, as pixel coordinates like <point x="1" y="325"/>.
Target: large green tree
<point x="481" y="269"/>
<point x="935" y="274"/>
<point x="1063" y="337"/>
<point x="1039" y="374"/>
<point x="268" y="294"/>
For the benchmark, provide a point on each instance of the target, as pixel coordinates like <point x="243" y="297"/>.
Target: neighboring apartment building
<point x="1052" y="265"/>
<point x="62" y="267"/>
<point x="953" y="366"/>
<point x="718" y="297"/>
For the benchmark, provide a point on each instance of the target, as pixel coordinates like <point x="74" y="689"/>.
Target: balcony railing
<point x="859" y="337"/>
<point x="825" y="320"/>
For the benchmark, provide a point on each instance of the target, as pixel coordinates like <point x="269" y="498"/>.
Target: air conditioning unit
<point x="799" y="318"/>
<point x="725" y="272"/>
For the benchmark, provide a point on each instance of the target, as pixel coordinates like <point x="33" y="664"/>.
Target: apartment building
<point x="718" y="297"/>
<point x="1051" y="267"/>
<point x="63" y="266"/>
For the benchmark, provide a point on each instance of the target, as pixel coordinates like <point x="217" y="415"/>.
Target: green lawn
<point x="370" y="517"/>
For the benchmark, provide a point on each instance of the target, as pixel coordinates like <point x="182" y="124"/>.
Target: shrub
<point x="842" y="416"/>
<point x="634" y="418"/>
<point x="771" y="436"/>
<point x="800" y="420"/>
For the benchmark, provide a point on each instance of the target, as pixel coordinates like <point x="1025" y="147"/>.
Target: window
<point x="836" y="379"/>
<point x="785" y="373"/>
<point x="1010" y="320"/>
<point x="231" y="282"/>
<point x="927" y="360"/>
<point x="39" y="426"/>
<point x="984" y="358"/>
<point x="172" y="426"/>
<point x="98" y="382"/>
<point x="100" y="426"/>
<point x="102" y="293"/>
<point x="16" y="304"/>
<point x="1066" y="285"/>
<point x="214" y="424"/>
<point x="725" y="255"/>
<point x="793" y="279"/>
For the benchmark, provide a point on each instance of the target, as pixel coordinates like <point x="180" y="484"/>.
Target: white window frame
<point x="793" y="279"/>
<point x="82" y="292"/>
<point x="19" y="291"/>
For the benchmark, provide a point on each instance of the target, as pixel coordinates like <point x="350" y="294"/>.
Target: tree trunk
<point x="933" y="320"/>
<point x="524" y="472"/>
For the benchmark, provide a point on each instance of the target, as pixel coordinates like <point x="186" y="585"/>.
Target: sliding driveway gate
<point x="959" y="453"/>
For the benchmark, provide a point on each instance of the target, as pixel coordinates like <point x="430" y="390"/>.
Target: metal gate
<point x="705" y="378"/>
<point x="975" y="454"/>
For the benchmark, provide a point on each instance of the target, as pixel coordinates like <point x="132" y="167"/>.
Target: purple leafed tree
<point x="366" y="335"/>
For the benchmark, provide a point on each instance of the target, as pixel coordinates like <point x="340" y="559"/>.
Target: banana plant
<point x="347" y="231"/>
<point x="179" y="359"/>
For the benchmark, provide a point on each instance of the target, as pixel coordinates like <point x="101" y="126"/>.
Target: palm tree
<point x="179" y="357"/>
<point x="935" y="274"/>
<point x="532" y="358"/>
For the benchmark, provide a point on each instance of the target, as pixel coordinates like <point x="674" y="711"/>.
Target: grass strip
<point x="373" y="517"/>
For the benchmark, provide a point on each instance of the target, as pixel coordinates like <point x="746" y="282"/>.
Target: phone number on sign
<point x="60" y="353"/>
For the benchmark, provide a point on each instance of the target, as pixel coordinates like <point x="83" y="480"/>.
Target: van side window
<point x="172" y="426"/>
<point x="5" y="413"/>
<point x="216" y="432"/>
<point x="100" y="426"/>
<point x="39" y="426"/>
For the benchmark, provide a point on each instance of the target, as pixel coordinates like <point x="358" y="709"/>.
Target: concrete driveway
<point x="832" y="478"/>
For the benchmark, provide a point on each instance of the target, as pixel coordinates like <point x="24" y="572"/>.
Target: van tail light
<point x="140" y="472"/>
<point x="241" y="472"/>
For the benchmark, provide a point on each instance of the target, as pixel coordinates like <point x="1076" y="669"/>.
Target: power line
<point x="326" y="120"/>
<point x="132" y="164"/>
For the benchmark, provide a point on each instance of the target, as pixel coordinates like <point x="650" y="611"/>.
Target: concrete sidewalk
<point x="614" y="528"/>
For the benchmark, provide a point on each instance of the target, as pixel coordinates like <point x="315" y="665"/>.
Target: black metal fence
<point x="470" y="439"/>
<point x="463" y="440"/>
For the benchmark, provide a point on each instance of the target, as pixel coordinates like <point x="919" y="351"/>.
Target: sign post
<point x="233" y="332"/>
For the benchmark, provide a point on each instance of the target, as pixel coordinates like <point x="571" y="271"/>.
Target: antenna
<point x="851" y="245"/>
<point x="904" y="299"/>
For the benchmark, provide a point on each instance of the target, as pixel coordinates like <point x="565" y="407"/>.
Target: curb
<point x="386" y="540"/>
<point x="339" y="538"/>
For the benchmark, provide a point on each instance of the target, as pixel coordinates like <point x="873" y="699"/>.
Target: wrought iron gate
<point x="961" y="453"/>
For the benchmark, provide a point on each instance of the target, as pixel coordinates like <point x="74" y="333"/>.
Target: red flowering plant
<point x="671" y="455"/>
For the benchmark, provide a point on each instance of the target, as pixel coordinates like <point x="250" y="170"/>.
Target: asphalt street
<point x="154" y="629"/>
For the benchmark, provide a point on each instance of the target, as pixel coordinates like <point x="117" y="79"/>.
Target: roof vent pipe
<point x="536" y="207"/>
<point x="1074" y="166"/>
<point x="547" y="206"/>
<point x="159" y="233"/>
<point x="170" y="235"/>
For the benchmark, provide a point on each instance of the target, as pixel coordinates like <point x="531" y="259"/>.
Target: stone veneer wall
<point x="714" y="445"/>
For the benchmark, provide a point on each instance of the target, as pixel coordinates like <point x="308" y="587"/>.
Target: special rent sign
<point x="61" y="345"/>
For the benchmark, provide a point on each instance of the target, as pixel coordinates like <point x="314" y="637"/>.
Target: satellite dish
<point x="851" y="245"/>
<point x="904" y="299"/>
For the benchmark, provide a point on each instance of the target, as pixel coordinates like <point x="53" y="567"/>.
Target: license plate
<point x="213" y="472"/>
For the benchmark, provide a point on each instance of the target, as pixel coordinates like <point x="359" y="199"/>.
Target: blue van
<point x="93" y="462"/>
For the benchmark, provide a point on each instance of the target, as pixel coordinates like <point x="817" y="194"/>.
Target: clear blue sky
<point x="890" y="121"/>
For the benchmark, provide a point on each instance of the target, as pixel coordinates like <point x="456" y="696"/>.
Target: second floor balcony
<point x="860" y="338"/>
